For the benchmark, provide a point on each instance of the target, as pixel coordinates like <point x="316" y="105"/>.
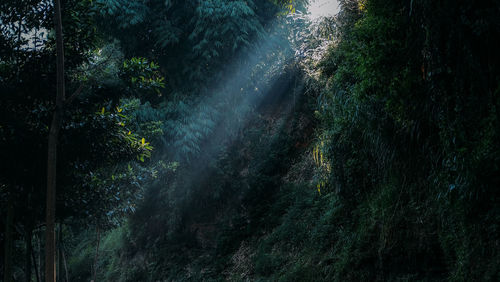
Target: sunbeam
<point x="244" y="89"/>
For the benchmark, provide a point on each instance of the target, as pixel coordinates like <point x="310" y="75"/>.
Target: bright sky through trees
<point x="323" y="8"/>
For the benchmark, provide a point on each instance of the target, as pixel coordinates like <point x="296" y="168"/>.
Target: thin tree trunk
<point x="96" y="254"/>
<point x="64" y="261"/>
<point x="29" y="251"/>
<point x="7" y="272"/>
<point x="35" y="265"/>
<point x="40" y="261"/>
<point x="50" y="240"/>
<point x="59" y="253"/>
<point x="61" y="257"/>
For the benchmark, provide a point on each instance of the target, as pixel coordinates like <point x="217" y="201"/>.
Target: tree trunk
<point x="50" y="240"/>
<point x="29" y="251"/>
<point x="96" y="254"/>
<point x="40" y="261"/>
<point x="7" y="272"/>
<point x="64" y="261"/>
<point x="61" y="257"/>
<point x="35" y="265"/>
<point x="59" y="254"/>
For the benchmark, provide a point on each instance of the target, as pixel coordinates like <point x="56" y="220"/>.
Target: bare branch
<point x="74" y="95"/>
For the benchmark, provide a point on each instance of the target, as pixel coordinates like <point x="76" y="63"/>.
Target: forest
<point x="249" y="140"/>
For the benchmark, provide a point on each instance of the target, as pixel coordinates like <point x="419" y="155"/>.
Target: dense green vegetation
<point x="239" y="140"/>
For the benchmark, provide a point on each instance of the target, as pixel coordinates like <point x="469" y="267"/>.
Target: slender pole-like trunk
<point x="96" y="254"/>
<point x="50" y="239"/>
<point x="7" y="272"/>
<point x="59" y="255"/>
<point x="29" y="251"/>
<point x="35" y="265"/>
<point x="64" y="261"/>
<point x="40" y="261"/>
<point x="61" y="258"/>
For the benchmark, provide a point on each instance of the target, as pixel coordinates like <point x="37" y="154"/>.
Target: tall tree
<point x="50" y="239"/>
<point x="27" y="89"/>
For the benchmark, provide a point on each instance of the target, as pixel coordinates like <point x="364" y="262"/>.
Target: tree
<point x="28" y="109"/>
<point x="50" y="237"/>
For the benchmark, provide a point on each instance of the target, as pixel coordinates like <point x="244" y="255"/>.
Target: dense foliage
<point x="237" y="140"/>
